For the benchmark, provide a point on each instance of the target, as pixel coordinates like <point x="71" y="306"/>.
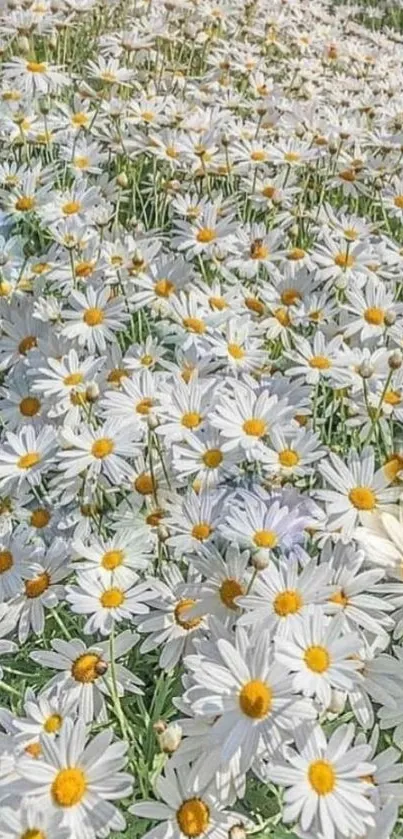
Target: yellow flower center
<point x="79" y="119"/>
<point x="393" y="466"/>
<point x="27" y="344"/>
<point x="255" y="699"/>
<point x="229" y="590"/>
<point x="290" y="296"/>
<point x="73" y="379"/>
<point x="344" y="260"/>
<point x="33" y="833"/>
<point x="265" y="538"/>
<point x="288" y="458"/>
<point x="398" y="201"/>
<point x="93" y="316"/>
<point x="164" y="288"/>
<point x="374" y="316"/>
<point x="193" y="817"/>
<point x="292" y="157"/>
<point x="69" y="787"/>
<point x="115" y="376"/>
<point x="392" y="397"/>
<point x="362" y="498"/>
<point x="201" y="531"/>
<point x="25" y="203"/>
<point x="348" y="175"/>
<point x="34" y="750"/>
<point x="255" y="305"/>
<point x="112" y="598"/>
<point x="282" y="316"/>
<point x="258" y="250"/>
<point x="295" y="254"/>
<point x="320" y="362"/>
<point x="235" y="351"/>
<point x="102" y="448"/>
<point x="81" y="161"/>
<point x="268" y="191"/>
<point x="206" y="235"/>
<point x="322" y="777"/>
<point x="84" y="668"/>
<point x="255" y="427"/>
<point x="212" y="458"/>
<point x="145" y="484"/>
<point x="6" y="561"/>
<point x="146" y="360"/>
<point x="194" y="325"/>
<point x="53" y="724"/>
<point x="28" y="460"/>
<point x="29" y="406"/>
<point x="339" y="598"/>
<point x="180" y="611"/>
<point x="317" y="659"/>
<point x="37" y="586"/>
<point x="112" y="559"/>
<point x="40" y="518"/>
<point x="218" y="303"/>
<point x="71" y="207"/>
<point x="36" y="67"/>
<point x="84" y="269"/>
<point x="191" y="420"/>
<point x="171" y="152"/>
<point x="258" y="155"/>
<point x="288" y="602"/>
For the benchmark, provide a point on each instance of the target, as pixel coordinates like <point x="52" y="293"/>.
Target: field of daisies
<point x="201" y="419"/>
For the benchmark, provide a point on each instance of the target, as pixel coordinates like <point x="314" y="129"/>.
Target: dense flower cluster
<point x="201" y="397"/>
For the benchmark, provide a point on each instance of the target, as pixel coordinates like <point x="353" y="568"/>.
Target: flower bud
<point x="92" y="392"/>
<point x="23" y="44"/>
<point x="152" y="422"/>
<point x="237" y="831"/>
<point x="390" y="317"/>
<point x="365" y="370"/>
<point x="395" y="360"/>
<point x="337" y="701"/>
<point x="169" y="739"/>
<point x="101" y="668"/>
<point x="162" y="533"/>
<point x="260" y="559"/>
<point x="122" y="180"/>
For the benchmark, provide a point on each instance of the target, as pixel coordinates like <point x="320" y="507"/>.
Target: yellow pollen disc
<point x="201" y="531"/>
<point x="392" y="397"/>
<point x="25" y="204"/>
<point x="255" y="699"/>
<point x="212" y="458"/>
<point x="292" y="157"/>
<point x="193" y="817"/>
<point x="144" y="406"/>
<point x="37" y="586"/>
<point x="71" y="207"/>
<point x="112" y="598"/>
<point x="5" y="288"/>
<point x="34" y="750"/>
<point x="93" y="316"/>
<point x="235" y="351"/>
<point x="40" y="268"/>
<point x="78" y="398"/>
<point x="265" y="539"/>
<point x="288" y="602"/>
<point x="229" y="590"/>
<point x="295" y="254"/>
<point x="393" y="466"/>
<point x="255" y="305"/>
<point x="288" y="458"/>
<point x="362" y="498"/>
<point x="112" y="559"/>
<point x="171" y="152"/>
<point x="351" y="233"/>
<point x="180" y="614"/>
<point x="374" y="316"/>
<point x="84" y="668"/>
<point x="73" y="379"/>
<point x="206" y="235"/>
<point x="218" y="303"/>
<point x="255" y="427"/>
<point x="108" y="77"/>
<point x="348" y="175"/>
<point x="258" y="250"/>
<point x="53" y="724"/>
<point x="33" y="833"/>
<point x="398" y="201"/>
<point x="368" y="779"/>
<point x="146" y="360"/>
<point x="115" y="376"/>
<point x="258" y="155"/>
<point x="282" y="316"/>
<point x="344" y="260"/>
<point x="36" y="67"/>
<point x="268" y="191"/>
<point x="69" y="787"/>
<point x="6" y="561"/>
<point x="322" y="777"/>
<point x="79" y="119"/>
<point x="339" y="598"/>
<point x="194" y="325"/>
<point x="27" y="344"/>
<point x="154" y="519"/>
<point x="29" y="406"/>
<point x="102" y="448"/>
<point x="84" y="269"/>
<point x="81" y="161"/>
<point x="144" y="484"/>
<point x="27" y="461"/>
<point x="191" y="420"/>
<point x="320" y="362"/>
<point x="40" y="518"/>
<point x="290" y="296"/>
<point x="317" y="659"/>
<point x="164" y="288"/>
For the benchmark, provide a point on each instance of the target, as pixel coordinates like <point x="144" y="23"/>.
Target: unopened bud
<point x="92" y="392"/>
<point x="337" y="701"/>
<point x="390" y="318"/>
<point x="237" y="831"/>
<point x="260" y="560"/>
<point x="23" y="43"/>
<point x="332" y="147"/>
<point x="101" y="668"/>
<point x="159" y="726"/>
<point x="122" y="180"/>
<point x="44" y="106"/>
<point x="365" y="370"/>
<point x="294" y="230"/>
<point x="163" y="533"/>
<point x="169" y="739"/>
<point x="152" y="422"/>
<point x="395" y="360"/>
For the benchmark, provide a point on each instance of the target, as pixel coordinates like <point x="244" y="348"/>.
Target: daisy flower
<point x="93" y="318"/>
<point x="106" y="603"/>
<point x="102" y="451"/>
<point x="117" y="559"/>
<point x="26" y="456"/>
<point x="245" y="418"/>
<point x="30" y="821"/>
<point x="226" y="579"/>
